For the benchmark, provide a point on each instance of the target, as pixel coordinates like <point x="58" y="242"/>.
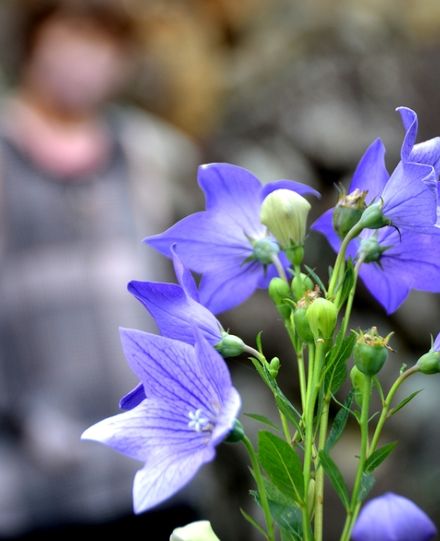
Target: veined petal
<point x="427" y="152"/>
<point x="184" y="276"/>
<point x="166" y="475"/>
<point x="295" y="186"/>
<point x="386" y="286"/>
<point x="233" y="192"/>
<point x="203" y="240"/>
<point x="371" y="173"/>
<point x="174" y="312"/>
<point x="230" y="284"/>
<point x="410" y="124"/>
<point x="168" y="369"/>
<point x="227" y="417"/>
<point x="133" y="398"/>
<point x="153" y="428"/>
<point x="410" y="197"/>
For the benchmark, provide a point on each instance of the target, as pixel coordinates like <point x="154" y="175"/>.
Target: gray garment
<point x="69" y="248"/>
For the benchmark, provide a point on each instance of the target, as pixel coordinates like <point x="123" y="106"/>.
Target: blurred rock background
<point x="296" y="90"/>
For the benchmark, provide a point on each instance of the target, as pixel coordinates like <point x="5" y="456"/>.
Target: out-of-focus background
<point x="288" y="89"/>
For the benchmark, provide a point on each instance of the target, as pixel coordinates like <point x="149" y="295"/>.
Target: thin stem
<point x="349" y="304"/>
<point x="320" y="476"/>
<point x="270" y="536"/>
<point x="255" y="353"/>
<point x="340" y="259"/>
<point x="279" y="266"/>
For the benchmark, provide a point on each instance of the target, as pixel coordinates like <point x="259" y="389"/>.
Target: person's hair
<point x="111" y="17"/>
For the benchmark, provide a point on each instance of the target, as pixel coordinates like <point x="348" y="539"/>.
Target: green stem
<point x="349" y="304"/>
<point x="355" y="504"/>
<point x="340" y="259"/>
<point x="320" y="475"/>
<point x="270" y="536"/>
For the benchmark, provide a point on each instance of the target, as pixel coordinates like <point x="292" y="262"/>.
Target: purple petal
<point x="428" y="152"/>
<point x="133" y="398"/>
<point x="393" y="518"/>
<point x="184" y="276"/>
<point x="168" y="369"/>
<point x="174" y="312"/>
<point x="388" y="288"/>
<point x="436" y="345"/>
<point x="153" y="428"/>
<point x="166" y="475"/>
<point x="324" y="225"/>
<point x="295" y="186"/>
<point x="409" y="196"/>
<point x="410" y="124"/>
<point x="371" y="173"/>
<point x="229" y="285"/>
<point x="204" y="239"/>
<point x="233" y="192"/>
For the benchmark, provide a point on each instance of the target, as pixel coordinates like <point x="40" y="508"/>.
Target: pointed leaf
<point x="316" y="278"/>
<point x="347" y="284"/>
<point x="262" y="419"/>
<point x="379" y="455"/>
<point x="335" y="476"/>
<point x="404" y="402"/>
<point x="339" y="422"/>
<point x="282" y="465"/>
<point x="367" y="483"/>
<point x="253" y="522"/>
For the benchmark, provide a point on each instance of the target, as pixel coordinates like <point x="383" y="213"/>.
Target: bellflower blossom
<point x="191" y="406"/>
<point x="227" y="243"/>
<point x="176" y="312"/>
<point x="397" y="260"/>
<point x="391" y="517"/>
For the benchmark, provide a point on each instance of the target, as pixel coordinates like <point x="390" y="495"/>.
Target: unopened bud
<point x="370" y="352"/>
<point x="322" y="315"/>
<point x="429" y="363"/>
<point x="196" y="531"/>
<point x="348" y="211"/>
<point x="284" y="213"/>
<point x="373" y="217"/>
<point x="279" y="292"/>
<point x="274" y="367"/>
<point x="300" y="284"/>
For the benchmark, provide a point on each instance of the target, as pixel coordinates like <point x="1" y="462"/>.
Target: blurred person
<point x="81" y="183"/>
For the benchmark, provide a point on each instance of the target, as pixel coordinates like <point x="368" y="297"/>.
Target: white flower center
<point x="198" y="421"/>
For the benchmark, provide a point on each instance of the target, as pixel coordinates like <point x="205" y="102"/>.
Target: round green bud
<point x="302" y="327"/>
<point x="230" y="345"/>
<point x="196" y="531"/>
<point x="263" y="250"/>
<point x="300" y="284"/>
<point x="284" y="213"/>
<point x="322" y="316"/>
<point x="348" y="211"/>
<point x="370" y="351"/>
<point x="274" y="367"/>
<point x="373" y="217"/>
<point x="370" y="250"/>
<point x="279" y="291"/>
<point x="429" y="363"/>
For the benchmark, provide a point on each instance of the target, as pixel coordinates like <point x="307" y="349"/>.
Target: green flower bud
<point x="196" y="531"/>
<point x="348" y="211"/>
<point x="429" y="363"/>
<point x="322" y="316"/>
<point x="274" y="367"/>
<point x="302" y="327"/>
<point x="284" y="213"/>
<point x="370" y="352"/>
<point x="300" y="284"/>
<point x="236" y="434"/>
<point x="359" y="383"/>
<point x="373" y="217"/>
<point x="279" y="291"/>
<point x="230" y="345"/>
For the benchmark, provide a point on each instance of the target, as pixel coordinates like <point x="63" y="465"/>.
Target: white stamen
<point x="197" y="421"/>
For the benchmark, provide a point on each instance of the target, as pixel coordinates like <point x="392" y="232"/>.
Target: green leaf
<point x="404" y="402"/>
<point x="282" y="465"/>
<point x="288" y="518"/>
<point x="316" y="279"/>
<point x="262" y="419"/>
<point x="336" y="362"/>
<point x="367" y="483"/>
<point x="253" y="522"/>
<point x="339" y="422"/>
<point x="379" y="455"/>
<point x="347" y="284"/>
<point x="335" y="477"/>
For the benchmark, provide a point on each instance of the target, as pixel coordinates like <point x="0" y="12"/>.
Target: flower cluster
<point x="385" y="230"/>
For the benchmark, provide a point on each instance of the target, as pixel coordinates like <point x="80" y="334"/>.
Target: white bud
<point x="195" y="531"/>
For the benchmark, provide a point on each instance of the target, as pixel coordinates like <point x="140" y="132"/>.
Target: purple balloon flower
<point x="191" y="407"/>
<point x="393" y="518"/>
<point x="408" y="258"/>
<point x="226" y="243"/>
